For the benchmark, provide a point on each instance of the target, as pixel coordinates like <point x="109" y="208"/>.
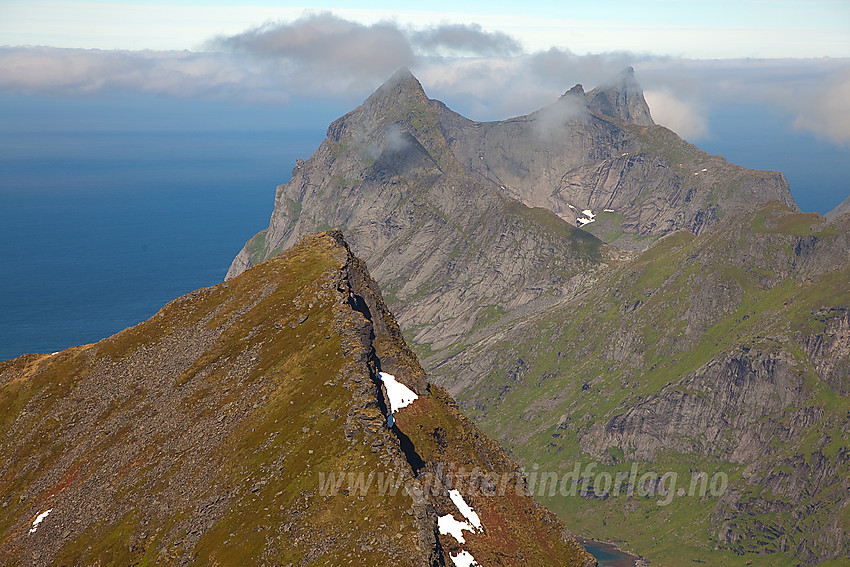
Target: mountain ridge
<point x="842" y="208"/>
<point x="211" y="434"/>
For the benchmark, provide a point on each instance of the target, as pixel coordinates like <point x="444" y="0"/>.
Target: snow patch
<point x="448" y="525"/>
<point x="570" y="206"/>
<point x="464" y="559"/>
<point x="465" y="509"/>
<point x="400" y="395"/>
<point x="588" y="217"/>
<point x="607" y="210"/>
<point x="38" y="520"/>
<point x="705" y="169"/>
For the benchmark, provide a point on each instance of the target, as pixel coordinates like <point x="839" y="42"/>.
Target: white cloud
<point x="473" y="70"/>
<point x="811" y="93"/>
<point x="826" y="112"/>
<point x="686" y="119"/>
<point x="75" y="72"/>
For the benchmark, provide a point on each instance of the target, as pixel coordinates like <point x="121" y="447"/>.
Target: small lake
<point x="606" y="554"/>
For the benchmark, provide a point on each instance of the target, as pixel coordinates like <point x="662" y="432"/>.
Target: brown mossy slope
<point x="213" y="433"/>
<point x="517" y="530"/>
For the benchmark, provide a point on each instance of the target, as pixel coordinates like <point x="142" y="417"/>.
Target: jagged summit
<point x="576" y="91"/>
<point x="621" y="99"/>
<point x="256" y="422"/>
<point x="403" y="83"/>
<point x="394" y="127"/>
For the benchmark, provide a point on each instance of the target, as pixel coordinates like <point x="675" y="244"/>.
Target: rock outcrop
<point x="251" y="423"/>
<point x="623" y="99"/>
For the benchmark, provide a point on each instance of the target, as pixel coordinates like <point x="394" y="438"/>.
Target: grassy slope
<point x="292" y="387"/>
<point x="571" y="382"/>
<point x="216" y="458"/>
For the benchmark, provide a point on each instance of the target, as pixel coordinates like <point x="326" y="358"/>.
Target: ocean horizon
<point x="99" y="230"/>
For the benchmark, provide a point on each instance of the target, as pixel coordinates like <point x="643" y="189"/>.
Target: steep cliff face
<point x="464" y="223"/>
<point x="250" y="423"/>
<point x="724" y="353"/>
<point x="437" y="238"/>
<point x="599" y="162"/>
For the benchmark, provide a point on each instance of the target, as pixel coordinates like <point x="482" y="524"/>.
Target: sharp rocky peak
<point x="393" y="101"/>
<point x="623" y="99"/>
<point x="576" y="91"/>
<point x="401" y="87"/>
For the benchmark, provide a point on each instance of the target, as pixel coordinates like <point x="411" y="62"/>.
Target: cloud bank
<point x="686" y="119"/>
<point x="484" y="74"/>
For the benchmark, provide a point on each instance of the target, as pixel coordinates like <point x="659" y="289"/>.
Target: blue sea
<point x="110" y="208"/>
<point x="99" y="229"/>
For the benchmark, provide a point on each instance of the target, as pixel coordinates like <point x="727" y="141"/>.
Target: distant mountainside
<point x="593" y="288"/>
<point x="462" y="221"/>
<point x="842" y="208"/>
<point x="278" y="418"/>
<point x="723" y="353"/>
<point x="437" y="237"/>
<point x="599" y="162"/>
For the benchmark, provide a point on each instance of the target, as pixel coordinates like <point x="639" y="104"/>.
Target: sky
<point x="696" y="28"/>
<point x="489" y="60"/>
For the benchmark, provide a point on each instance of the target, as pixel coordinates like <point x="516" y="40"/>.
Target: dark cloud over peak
<point x="479" y="73"/>
<point x="466" y="39"/>
<point x="325" y="42"/>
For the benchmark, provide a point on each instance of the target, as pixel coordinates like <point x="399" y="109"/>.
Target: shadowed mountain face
<point x="249" y="423"/>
